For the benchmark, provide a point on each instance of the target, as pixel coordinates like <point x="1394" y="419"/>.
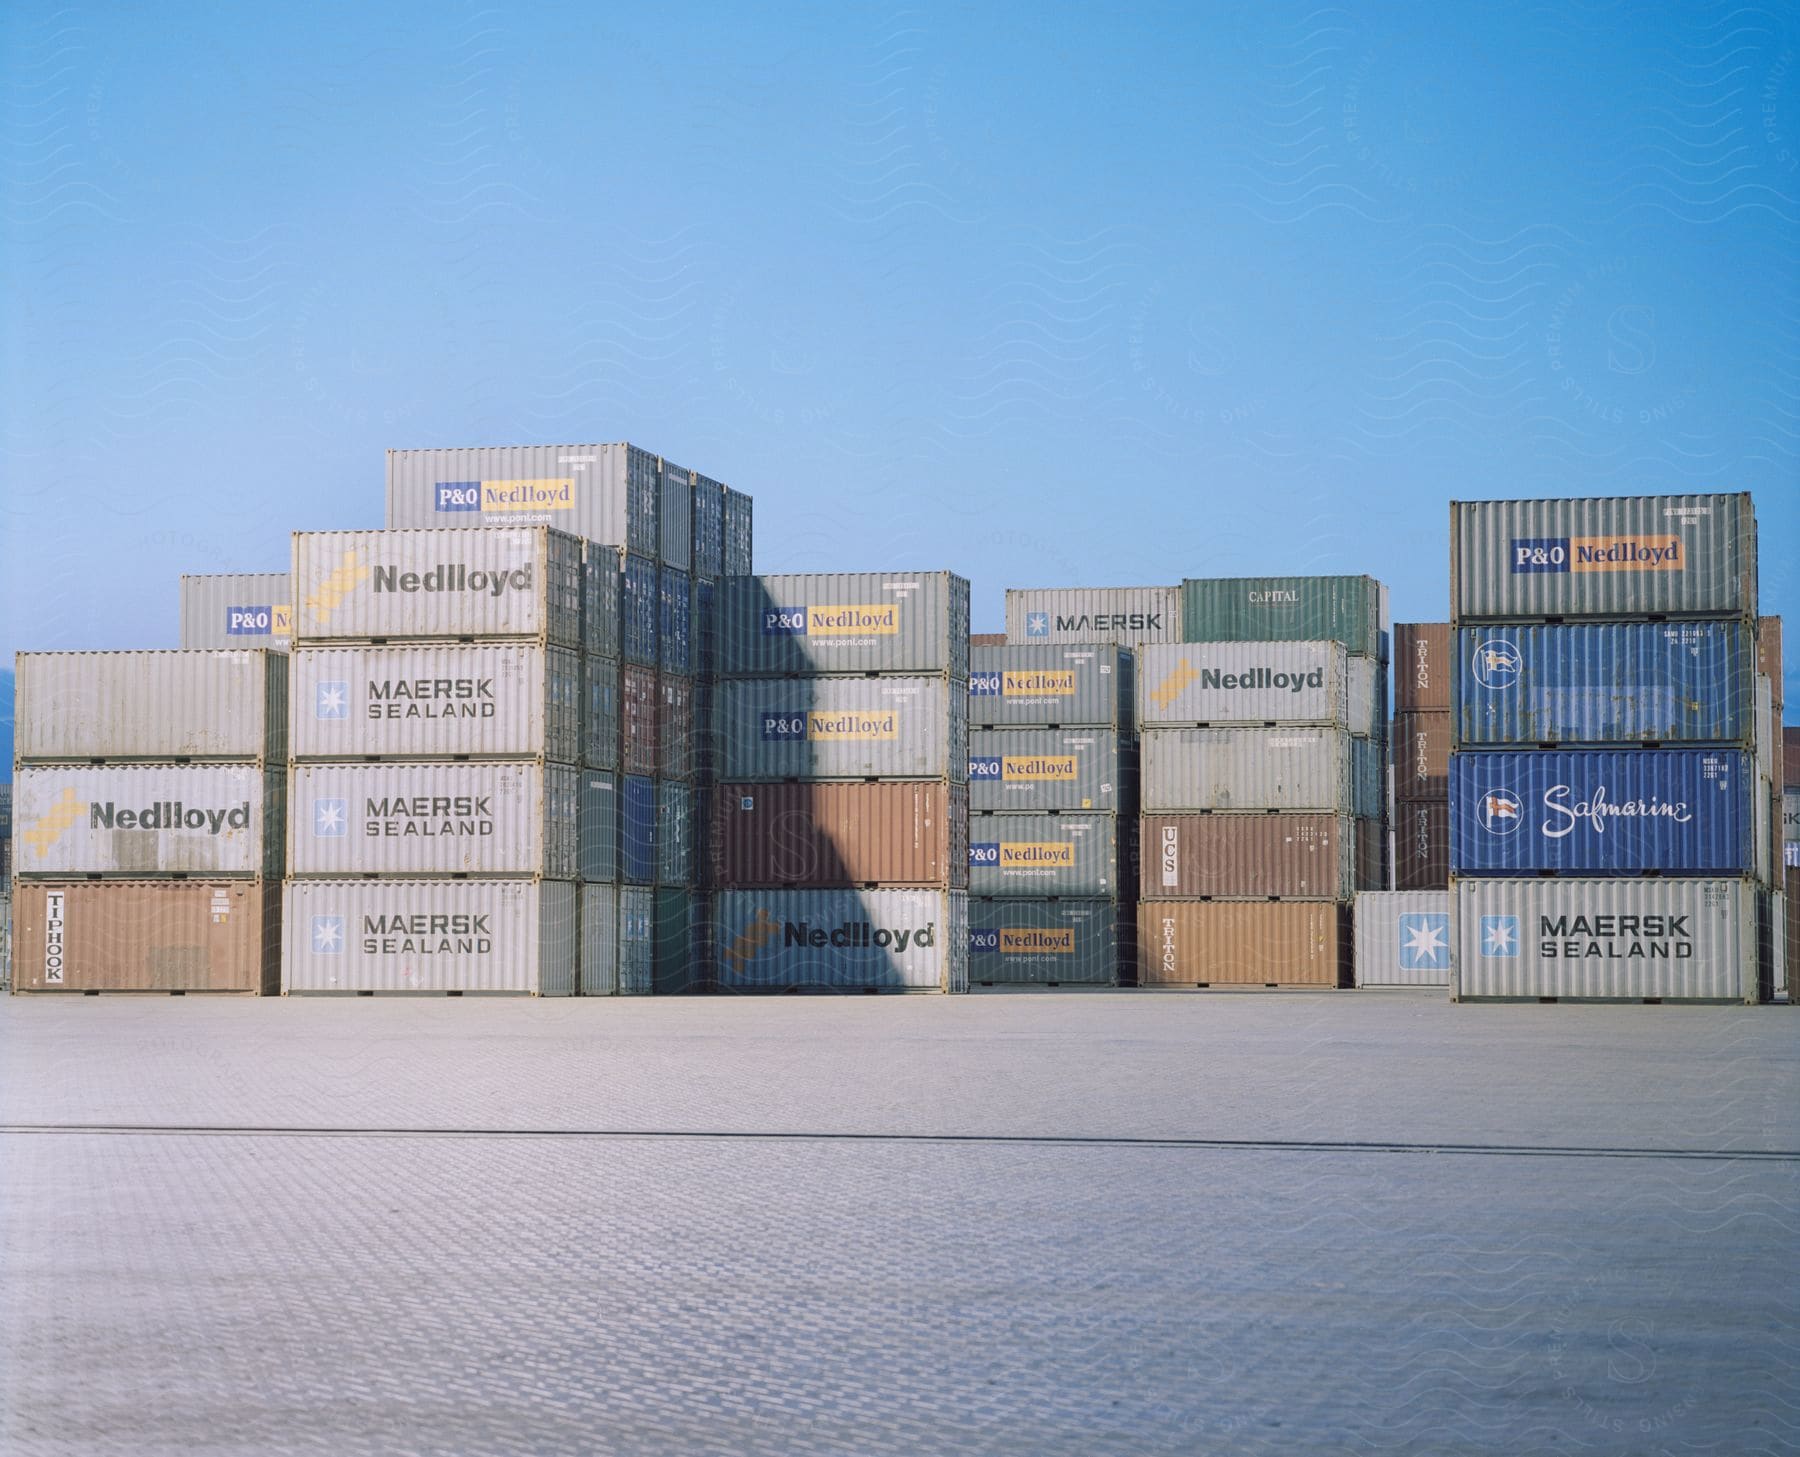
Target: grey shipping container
<point x="1606" y="940"/>
<point x="674" y="833"/>
<point x="1603" y="556"/>
<point x="346" y="936"/>
<point x="481" y="819"/>
<point x="599" y="941"/>
<point x="1422" y="667"/>
<point x="850" y="622"/>
<point x="1038" y="687"/>
<point x="237" y="610"/>
<point x="601" y="602"/>
<point x="891" y="833"/>
<point x="1310" y="771"/>
<point x="149" y="819"/>
<point x="1255" y="857"/>
<point x="1126" y="617"/>
<point x="598" y="826"/>
<point x="1248" y="683"/>
<point x="843" y="728"/>
<point x="1244" y="943"/>
<point x="676" y="528"/>
<point x="1047" y="943"/>
<point x="600" y="718"/>
<point x="841" y="940"/>
<point x="739" y="534"/>
<point x="446" y="585"/>
<point x="1041" y="855"/>
<point x="154" y="706"/>
<point x="1050" y="769"/>
<point x="605" y="493"/>
<point x="1350" y="610"/>
<point x="450" y="700"/>
<point x="637" y="941"/>
<point x="1403" y="938"/>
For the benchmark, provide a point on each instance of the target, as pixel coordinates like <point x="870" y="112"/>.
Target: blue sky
<point x="1046" y="295"/>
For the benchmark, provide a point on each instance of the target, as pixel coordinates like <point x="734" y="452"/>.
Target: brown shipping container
<point x="1248" y="857"/>
<point x="1243" y="943"/>
<point x="1422" y="756"/>
<point x="1422" y="667"/>
<point x="987" y="639"/>
<point x="638" y="711"/>
<point x="1371" y="851"/>
<point x="675" y="726"/>
<point x="1768" y="658"/>
<point x="1422" y="845"/>
<point x="824" y="835"/>
<point x="147" y="936"/>
<point x="1790" y="758"/>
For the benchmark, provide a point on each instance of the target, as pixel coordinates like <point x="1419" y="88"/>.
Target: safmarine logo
<point x="1425" y="941"/>
<point x="1500" y="937"/>
<point x="50" y="826"/>
<point x="328" y="935"/>
<point x="1597" y="809"/>
<point x="547" y="494"/>
<point x="1500" y="812"/>
<point x="1497" y="664"/>
<point x="1662" y="553"/>
<point x="337" y="584"/>
<point x="831" y="726"/>
<point x="265" y="621"/>
<point x="331" y="819"/>
<point x="877" y="619"/>
<point x="331" y="700"/>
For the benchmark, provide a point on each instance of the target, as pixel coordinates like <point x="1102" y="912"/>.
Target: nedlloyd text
<point x="454" y="577"/>
<point x="170" y="814"/>
<point x="857" y="935"/>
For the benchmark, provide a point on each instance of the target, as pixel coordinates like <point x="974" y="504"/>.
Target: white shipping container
<point x="1304" y="770"/>
<point x="1127" y="616"/>
<point x="1403" y="938"/>
<point x="434" y="819"/>
<point x="1246" y="683"/>
<point x="842" y="940"/>
<point x="843" y="728"/>
<point x="346" y="936"/>
<point x="148" y="819"/>
<point x="237" y="610"/>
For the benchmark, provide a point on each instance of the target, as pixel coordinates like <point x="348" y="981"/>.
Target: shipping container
<point x="598" y="828"/>
<point x="704" y="743"/>
<point x="1249" y="683"/>
<point x="147" y="936"/>
<point x="640" y="610"/>
<point x="1422" y="845"/>
<point x="843" y="728"/>
<point x="1051" y="769"/>
<point x="436" y="820"/>
<point x="1403" y="938"/>
<point x="1252" y="857"/>
<point x="676" y="526"/>
<point x="674" y="833"/>
<point x="1084" y="856"/>
<point x="709" y="527"/>
<point x="1126" y="617"/>
<point x="237" y="610"/>
<point x="1623" y="940"/>
<point x="1254" y="770"/>
<point x="1243" y="943"/>
<point x="637" y="941"/>
<point x="445" y="700"/>
<point x="675" y="622"/>
<point x="149" y="819"/>
<point x="1769" y="660"/>
<point x="1627" y="557"/>
<point x="1603" y="812"/>
<point x="1606" y="683"/>
<point x="738" y="534"/>
<point x="676" y="969"/>
<point x="841" y="940"/>
<point x="1422" y="667"/>
<point x="844" y="622"/>
<point x="1347" y="610"/>
<point x="706" y="627"/>
<point x="6" y="835"/>
<point x="1047" y="943"/>
<point x="1790" y="816"/>
<point x="600" y="721"/>
<point x="602" y="602"/>
<point x="448" y="585"/>
<point x="637" y="830"/>
<point x="605" y="493"/>
<point x="987" y="640"/>
<point x="640" y="710"/>
<point x="894" y="833"/>
<point x="348" y="936"/>
<point x="1368" y="680"/>
<point x="1790" y="757"/>
<point x="153" y="706"/>
<point x="1421" y="749"/>
<point x="674" y="726"/>
<point x="1051" y="687"/>
<point x="599" y="941"/>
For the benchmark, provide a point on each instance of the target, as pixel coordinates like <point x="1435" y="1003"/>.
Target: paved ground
<point x="1292" y="1223"/>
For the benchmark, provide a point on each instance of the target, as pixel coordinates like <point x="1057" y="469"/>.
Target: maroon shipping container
<point x="1422" y="667"/>
<point x="1421" y="749"/>
<point x="987" y="639"/>
<point x="638" y="705"/>
<point x="675" y="726"/>
<point x="1788" y="771"/>
<point x="1244" y="943"/>
<point x="1422" y="845"/>
<point x="892" y="833"/>
<point x="1250" y="857"/>
<point x="1768" y="658"/>
<point x="1371" y="855"/>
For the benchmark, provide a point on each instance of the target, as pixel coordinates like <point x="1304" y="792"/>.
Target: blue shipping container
<point x="705" y="627"/>
<point x="675" y="622"/>
<point x="637" y="830"/>
<point x="640" y="611"/>
<point x="1603" y="812"/>
<point x="599" y="827"/>
<point x="1605" y="683"/>
<point x="709" y="527"/>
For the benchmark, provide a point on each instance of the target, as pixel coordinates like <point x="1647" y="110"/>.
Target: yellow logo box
<point x="1037" y="683"/>
<point x="1023" y="856"/>
<point x="1057" y="940"/>
<point x="880" y="619"/>
<point x="542" y="495"/>
<point x="1017" y="768"/>
<point x="1625" y="554"/>
<point x="823" y="726"/>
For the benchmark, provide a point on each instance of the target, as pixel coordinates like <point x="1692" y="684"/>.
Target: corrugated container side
<point x="841" y="940"/>
<point x="637" y="941"/>
<point x="422" y="701"/>
<point x="1045" y="943"/>
<point x="637" y="830"/>
<point x="599" y="827"/>
<point x="1421" y="748"/>
<point x="1403" y="938"/>
<point x="1790" y="758"/>
<point x="1049" y="769"/>
<point x="704" y="742"/>
<point x="1040" y="855"/>
<point x="853" y="622"/>
<point x="600" y="723"/>
<point x="680" y="917"/>
<point x="893" y="833"/>
<point x="640" y="610"/>
<point x="842" y="728"/>
<point x="1248" y="857"/>
<point x="674" y="833"/>
<point x="1127" y="617"/>
<point x="599" y="941"/>
<point x="1284" y="609"/>
<point x="674" y="726"/>
<point x="601" y="602"/>
<point x="1603" y="812"/>
<point x="675" y="622"/>
<point x="1606" y="683"/>
<point x="709" y="527"/>
<point x="1042" y="687"/>
<point x="345" y="936"/>
<point x="640" y="709"/>
<point x="1769" y="660"/>
<point x="1605" y="939"/>
<point x="1618" y="556"/>
<point x="706" y="627"/>
<point x="153" y="706"/>
<point x="739" y="534"/>
<point x="1422" y="667"/>
<point x="1246" y="683"/>
<point x="677" y="521"/>
<point x="1244" y="943"/>
<point x="986" y="640"/>
<point x="237" y="610"/>
<point x="147" y="936"/>
<point x="1422" y="845"/>
<point x="1368" y="697"/>
<point x="1303" y="770"/>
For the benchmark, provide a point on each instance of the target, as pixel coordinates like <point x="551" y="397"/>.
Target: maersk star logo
<point x="1037" y="624"/>
<point x="328" y="935"/>
<point x="332" y="701"/>
<point x="1425" y="941"/>
<point x="331" y="818"/>
<point x="1500" y="936"/>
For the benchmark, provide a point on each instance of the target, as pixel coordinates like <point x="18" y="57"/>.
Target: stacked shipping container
<point x="237" y="610"/>
<point x="1420" y="754"/>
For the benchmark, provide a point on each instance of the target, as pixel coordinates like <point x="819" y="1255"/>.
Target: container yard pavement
<point x="1374" y="1222"/>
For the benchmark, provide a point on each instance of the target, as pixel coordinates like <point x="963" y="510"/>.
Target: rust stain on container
<point x="1249" y="857"/>
<point x="1422" y="667"/>
<point x="638" y="713"/>
<point x="1422" y="845"/>
<point x="826" y="835"/>
<point x="1243" y="943"/>
<point x="1422" y="756"/>
<point x="147" y="936"/>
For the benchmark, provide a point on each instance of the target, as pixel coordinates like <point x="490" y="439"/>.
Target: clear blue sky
<point x="1039" y="293"/>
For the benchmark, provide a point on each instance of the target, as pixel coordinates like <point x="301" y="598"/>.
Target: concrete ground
<point x="1021" y="1223"/>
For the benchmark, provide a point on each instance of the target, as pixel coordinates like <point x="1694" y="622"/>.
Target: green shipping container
<point x="678" y="914"/>
<point x="1284" y="609"/>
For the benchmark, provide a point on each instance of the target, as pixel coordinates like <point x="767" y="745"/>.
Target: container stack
<point x="149" y="808"/>
<point x="840" y="821"/>
<point x="1052" y="779"/>
<point x="1420" y="757"/>
<point x="6" y="884"/>
<point x="1611" y="774"/>
<point x="237" y="610"/>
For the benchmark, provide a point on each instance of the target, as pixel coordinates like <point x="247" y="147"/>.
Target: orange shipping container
<point x="892" y="833"/>
<point x="147" y="936"/>
<point x="1422" y="667"/>
<point x="1768" y="658"/>
<point x="1422" y="756"/>
<point x="1243" y="943"/>
<point x="1253" y="857"/>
